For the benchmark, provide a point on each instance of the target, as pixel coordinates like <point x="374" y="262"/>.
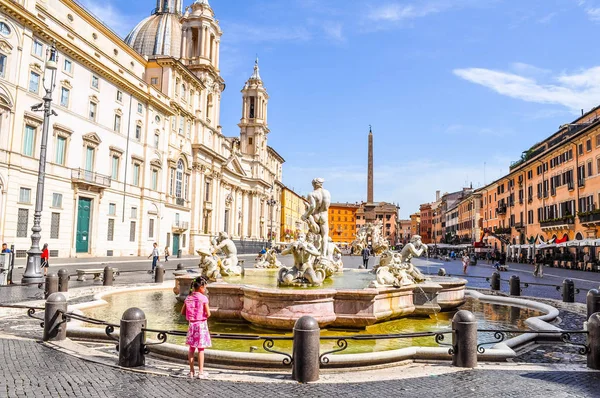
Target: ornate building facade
<point x="136" y="153"/>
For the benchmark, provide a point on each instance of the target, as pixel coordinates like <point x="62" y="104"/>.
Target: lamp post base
<point x="33" y="272"/>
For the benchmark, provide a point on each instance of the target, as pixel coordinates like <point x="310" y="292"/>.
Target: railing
<point x="182" y="225"/>
<point x="503" y="231"/>
<point x="180" y="201"/>
<point x="570" y="185"/>
<point x="501" y="209"/>
<point x="569" y="220"/>
<point x="81" y="175"/>
<point x="588" y="218"/>
<point x="581" y="182"/>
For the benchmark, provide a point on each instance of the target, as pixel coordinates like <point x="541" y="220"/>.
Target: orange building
<point x="553" y="191"/>
<point x="342" y="222"/>
<point x="426" y="223"/>
<point x="415" y="224"/>
<point x="387" y="214"/>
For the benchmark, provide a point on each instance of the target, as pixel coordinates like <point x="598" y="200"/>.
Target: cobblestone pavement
<point x="33" y="370"/>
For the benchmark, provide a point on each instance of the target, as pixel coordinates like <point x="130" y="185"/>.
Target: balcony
<point x="581" y="182"/>
<point x="519" y="225"/>
<point x="570" y="185"/>
<point x="502" y="231"/>
<point x="81" y="176"/>
<point x="558" y="223"/>
<point x="180" y="201"/>
<point x="529" y="199"/>
<point x="180" y="226"/>
<point x="501" y="209"/>
<point x="590" y="218"/>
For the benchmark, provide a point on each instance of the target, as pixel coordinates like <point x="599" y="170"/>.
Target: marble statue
<point x="209" y="265"/>
<point x="229" y="264"/>
<point x="334" y="255"/>
<point x="317" y="211"/>
<point x="303" y="271"/>
<point x="268" y="260"/>
<point x="396" y="269"/>
<point x="370" y="234"/>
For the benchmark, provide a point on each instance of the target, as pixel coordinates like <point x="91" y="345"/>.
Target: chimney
<point x="437" y="195"/>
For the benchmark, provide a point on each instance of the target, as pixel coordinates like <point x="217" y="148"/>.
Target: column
<point x="205" y="43"/>
<point x="182" y="49"/>
<point x="244" y="107"/>
<point x="217" y="52"/>
<point x="189" y="44"/>
<point x="200" y="44"/>
<point x="244" y="213"/>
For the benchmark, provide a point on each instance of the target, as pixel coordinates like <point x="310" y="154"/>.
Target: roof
<point x="158" y="34"/>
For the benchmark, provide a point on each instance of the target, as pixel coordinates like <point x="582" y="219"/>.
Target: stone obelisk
<point x="370" y="205"/>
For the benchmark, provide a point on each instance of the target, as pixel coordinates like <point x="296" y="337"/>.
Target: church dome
<point x="160" y="33"/>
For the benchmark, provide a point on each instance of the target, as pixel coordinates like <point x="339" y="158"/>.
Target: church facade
<point x="136" y="153"/>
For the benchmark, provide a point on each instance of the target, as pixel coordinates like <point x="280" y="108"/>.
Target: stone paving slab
<point x="31" y="369"/>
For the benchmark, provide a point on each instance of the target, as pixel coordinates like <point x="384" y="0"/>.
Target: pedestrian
<point x="196" y="310"/>
<point x="9" y="266"/>
<point x="154" y="256"/>
<point x="465" y="260"/>
<point x="45" y="258"/>
<point x="167" y="254"/>
<point x="488" y="256"/>
<point x="365" y="256"/>
<point x="538" y="267"/>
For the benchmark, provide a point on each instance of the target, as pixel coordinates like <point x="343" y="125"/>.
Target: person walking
<point x="465" y="261"/>
<point x="45" y="258"/>
<point x="8" y="266"/>
<point x="196" y="310"/>
<point x="365" y="256"/>
<point x="538" y="266"/>
<point x="167" y="254"/>
<point x="155" y="254"/>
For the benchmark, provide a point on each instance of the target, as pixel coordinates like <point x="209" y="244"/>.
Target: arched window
<point x="179" y="179"/>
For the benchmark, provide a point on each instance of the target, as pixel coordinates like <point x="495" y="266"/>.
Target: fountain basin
<point x="280" y="308"/>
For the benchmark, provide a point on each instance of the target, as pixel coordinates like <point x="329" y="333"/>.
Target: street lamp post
<point x="33" y="272"/>
<point x="271" y="203"/>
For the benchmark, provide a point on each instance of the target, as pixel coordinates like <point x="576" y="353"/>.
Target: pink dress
<point x="198" y="335"/>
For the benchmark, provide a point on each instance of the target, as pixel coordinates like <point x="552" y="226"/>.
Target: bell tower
<point x="253" y="124"/>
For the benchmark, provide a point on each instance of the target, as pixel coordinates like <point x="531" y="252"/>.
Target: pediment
<point x="5" y="46"/>
<point x="234" y="164"/>
<point x="92" y="138"/>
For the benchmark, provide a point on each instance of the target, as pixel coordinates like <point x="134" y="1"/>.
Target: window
<point x="168" y="239"/>
<point x="93" y="107"/>
<point x="136" y="174"/>
<point x="134" y="212"/>
<point x="179" y="179"/>
<point x="115" y="167"/>
<point x="183" y="96"/>
<point x="34" y="82"/>
<point x="2" y="64"/>
<point x="590" y="170"/>
<point x="181" y="125"/>
<point x="156" y="140"/>
<point x="22" y="220"/>
<point x="151" y="228"/>
<point x="176" y="86"/>
<point x="57" y="200"/>
<point x="185" y="186"/>
<point x="172" y="180"/>
<point x="588" y="145"/>
<point x="95" y="81"/>
<point x="155" y="180"/>
<point x="64" y="96"/>
<point x="112" y="209"/>
<point x="4" y="29"/>
<point x="89" y="158"/>
<point x="28" y="140"/>
<point x="183" y="240"/>
<point x="117" y="125"/>
<point x="24" y="195"/>
<point x="111" y="230"/>
<point x="38" y="48"/>
<point x="119" y="96"/>
<point x="138" y="132"/>
<point x="249" y="140"/>
<point x="132" y="231"/>
<point x="54" y="225"/>
<point x="580" y="149"/>
<point x="154" y="80"/>
<point x="68" y="66"/>
<point x="140" y="107"/>
<point x="207" y="191"/>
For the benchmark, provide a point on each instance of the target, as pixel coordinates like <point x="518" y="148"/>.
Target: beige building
<point x="136" y="153"/>
<point x="293" y="207"/>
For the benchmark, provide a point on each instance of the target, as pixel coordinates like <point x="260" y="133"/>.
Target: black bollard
<point x="132" y="338"/>
<point x="593" y="302"/>
<point x="179" y="253"/>
<point x="55" y="328"/>
<point x="159" y="274"/>
<point x="515" y="285"/>
<point x="495" y="284"/>
<point x="441" y="272"/>
<point x="568" y="291"/>
<point x="464" y="339"/>
<point x="180" y="267"/>
<point x="51" y="285"/>
<point x="108" y="276"/>
<point x="593" y="340"/>
<point x="63" y="280"/>
<point x="306" y="350"/>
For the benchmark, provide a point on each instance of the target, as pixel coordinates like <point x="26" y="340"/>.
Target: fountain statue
<point x="396" y="269"/>
<point x="210" y="265"/>
<point x="317" y="257"/>
<point x="373" y="233"/>
<point x="268" y="260"/>
<point x="228" y="265"/>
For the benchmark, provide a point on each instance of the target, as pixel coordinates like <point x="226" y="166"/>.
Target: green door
<point x="83" y="225"/>
<point x="175" y="244"/>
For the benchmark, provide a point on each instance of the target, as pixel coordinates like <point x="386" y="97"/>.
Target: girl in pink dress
<point x="196" y="310"/>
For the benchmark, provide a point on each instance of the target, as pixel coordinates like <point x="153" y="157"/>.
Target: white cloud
<point x="593" y="13"/>
<point x="547" y="18"/>
<point x="259" y="34"/>
<point x="528" y="69"/>
<point x="575" y="91"/>
<point x="397" y="12"/>
<point x="334" y="31"/>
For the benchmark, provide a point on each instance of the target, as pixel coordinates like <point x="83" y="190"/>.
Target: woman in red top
<point x="45" y="258"/>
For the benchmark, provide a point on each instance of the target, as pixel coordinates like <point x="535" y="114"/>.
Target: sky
<point x="455" y="90"/>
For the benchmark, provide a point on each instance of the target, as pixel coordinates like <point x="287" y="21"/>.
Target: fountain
<point x="317" y="285"/>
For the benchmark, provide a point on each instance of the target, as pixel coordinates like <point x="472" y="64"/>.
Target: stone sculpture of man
<point x="227" y="247"/>
<point x="415" y="248"/>
<point x="317" y="212"/>
<point x="304" y="253"/>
